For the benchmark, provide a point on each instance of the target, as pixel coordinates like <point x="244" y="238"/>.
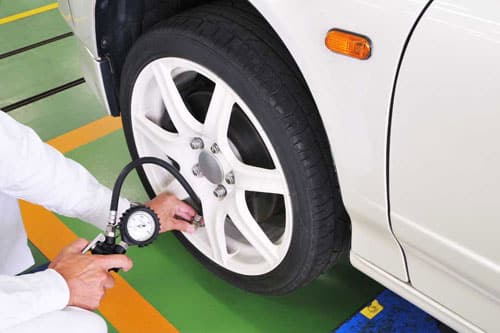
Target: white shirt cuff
<point x="54" y="290"/>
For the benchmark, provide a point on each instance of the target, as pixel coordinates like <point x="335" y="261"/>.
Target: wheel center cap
<point x="210" y="167"/>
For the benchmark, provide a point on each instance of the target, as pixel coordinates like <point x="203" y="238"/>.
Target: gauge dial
<point x="139" y="226"/>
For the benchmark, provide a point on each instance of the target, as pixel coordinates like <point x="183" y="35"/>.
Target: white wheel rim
<point x="155" y="90"/>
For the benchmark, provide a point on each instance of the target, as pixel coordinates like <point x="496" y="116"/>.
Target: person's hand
<point x="173" y="213"/>
<point x="87" y="276"/>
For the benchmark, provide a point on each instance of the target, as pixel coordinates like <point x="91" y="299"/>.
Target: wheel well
<point x="119" y="23"/>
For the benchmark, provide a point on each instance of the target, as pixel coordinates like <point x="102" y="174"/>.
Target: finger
<point x="183" y="210"/>
<point x="77" y="246"/>
<point x="114" y="261"/>
<point x="109" y="282"/>
<point x="184" y="226"/>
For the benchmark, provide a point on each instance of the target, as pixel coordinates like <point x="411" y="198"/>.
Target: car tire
<point x="235" y="44"/>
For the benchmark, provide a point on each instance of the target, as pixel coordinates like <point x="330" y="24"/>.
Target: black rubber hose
<point x="196" y="203"/>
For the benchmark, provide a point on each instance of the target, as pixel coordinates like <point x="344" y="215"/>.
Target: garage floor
<point x="167" y="290"/>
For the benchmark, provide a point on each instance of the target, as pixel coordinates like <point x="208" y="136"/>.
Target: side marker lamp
<point x="349" y="44"/>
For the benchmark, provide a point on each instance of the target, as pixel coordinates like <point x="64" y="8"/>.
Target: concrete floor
<point x="165" y="275"/>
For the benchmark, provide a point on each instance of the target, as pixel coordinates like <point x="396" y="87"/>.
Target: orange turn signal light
<point x="349" y="44"/>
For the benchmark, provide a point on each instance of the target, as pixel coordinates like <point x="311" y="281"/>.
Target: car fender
<point x="80" y="16"/>
<point x="353" y="98"/>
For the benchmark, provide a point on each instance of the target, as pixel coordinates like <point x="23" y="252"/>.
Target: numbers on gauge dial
<point x="141" y="226"/>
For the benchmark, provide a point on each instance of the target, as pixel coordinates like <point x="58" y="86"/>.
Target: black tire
<point x="234" y="42"/>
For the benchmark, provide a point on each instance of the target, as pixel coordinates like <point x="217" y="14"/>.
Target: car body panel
<point x="353" y="98"/>
<point x="444" y="152"/>
<point x="92" y="71"/>
<point x="406" y="290"/>
<point x="80" y="17"/>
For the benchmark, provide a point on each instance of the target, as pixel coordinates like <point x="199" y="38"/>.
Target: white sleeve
<point x="36" y="172"/>
<point x="27" y="296"/>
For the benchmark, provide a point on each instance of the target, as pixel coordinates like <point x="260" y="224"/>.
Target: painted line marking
<point x="372" y="310"/>
<point x="28" y="13"/>
<point x="35" y="45"/>
<point x="123" y="306"/>
<point x="86" y="134"/>
<point x="43" y="95"/>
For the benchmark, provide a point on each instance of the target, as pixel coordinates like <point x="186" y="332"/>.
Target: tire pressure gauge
<point x="139" y="226"/>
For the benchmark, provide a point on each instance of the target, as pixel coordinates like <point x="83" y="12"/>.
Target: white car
<point x="310" y="129"/>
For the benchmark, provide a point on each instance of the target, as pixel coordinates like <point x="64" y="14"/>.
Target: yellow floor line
<point x="29" y="13"/>
<point x="123" y="306"/>
<point x="86" y="134"/>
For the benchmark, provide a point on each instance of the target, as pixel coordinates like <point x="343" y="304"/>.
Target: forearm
<point x="34" y="171"/>
<point x="25" y="297"/>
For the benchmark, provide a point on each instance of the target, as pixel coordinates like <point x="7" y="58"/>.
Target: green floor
<point x="190" y="297"/>
<point x="32" y="30"/>
<point x="11" y="7"/>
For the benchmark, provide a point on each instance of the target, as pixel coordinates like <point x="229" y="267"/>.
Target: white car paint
<point x="79" y="15"/>
<point x="91" y="69"/>
<point x="453" y="264"/>
<point x="445" y="155"/>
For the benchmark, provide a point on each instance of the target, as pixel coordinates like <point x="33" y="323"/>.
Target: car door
<point x="444" y="160"/>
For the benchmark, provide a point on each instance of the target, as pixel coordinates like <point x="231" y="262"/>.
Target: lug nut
<point x="196" y="170"/>
<point x="198" y="221"/>
<point x="230" y="178"/>
<point x="215" y="148"/>
<point x="197" y="143"/>
<point x="220" y="192"/>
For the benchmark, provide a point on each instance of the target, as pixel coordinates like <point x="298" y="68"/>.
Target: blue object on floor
<point x="390" y="313"/>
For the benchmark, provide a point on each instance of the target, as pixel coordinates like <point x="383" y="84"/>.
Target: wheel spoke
<point x="243" y="220"/>
<point x="219" y="113"/>
<point x="251" y="178"/>
<point x="182" y="119"/>
<point x="241" y="246"/>
<point x="169" y="144"/>
<point x="215" y="217"/>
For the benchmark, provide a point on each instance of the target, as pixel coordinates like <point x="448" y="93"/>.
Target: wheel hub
<point x="210" y="167"/>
